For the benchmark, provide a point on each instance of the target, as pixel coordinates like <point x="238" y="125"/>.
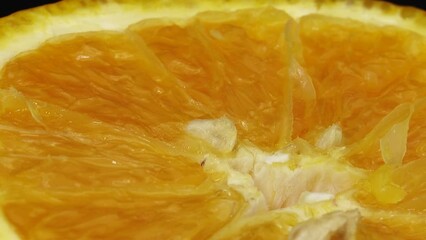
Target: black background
<point x="16" y="5"/>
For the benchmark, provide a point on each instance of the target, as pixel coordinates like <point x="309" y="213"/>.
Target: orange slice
<point x="213" y="120"/>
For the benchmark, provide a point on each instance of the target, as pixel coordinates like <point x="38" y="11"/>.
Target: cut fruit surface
<point x="261" y="121"/>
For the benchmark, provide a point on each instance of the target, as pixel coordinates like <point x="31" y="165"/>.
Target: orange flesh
<point x="96" y="157"/>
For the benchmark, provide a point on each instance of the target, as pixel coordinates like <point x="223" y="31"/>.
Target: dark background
<point x="16" y="5"/>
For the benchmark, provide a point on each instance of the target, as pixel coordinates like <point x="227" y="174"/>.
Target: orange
<point x="213" y="120"/>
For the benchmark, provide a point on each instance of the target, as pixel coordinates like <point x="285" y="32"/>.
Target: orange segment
<point x="361" y="65"/>
<point x="239" y="79"/>
<point x="114" y="85"/>
<point x="115" y="214"/>
<point x="116" y="178"/>
<point x="395" y="195"/>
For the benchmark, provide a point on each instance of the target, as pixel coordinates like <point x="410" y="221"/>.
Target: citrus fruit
<point x="213" y="120"/>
